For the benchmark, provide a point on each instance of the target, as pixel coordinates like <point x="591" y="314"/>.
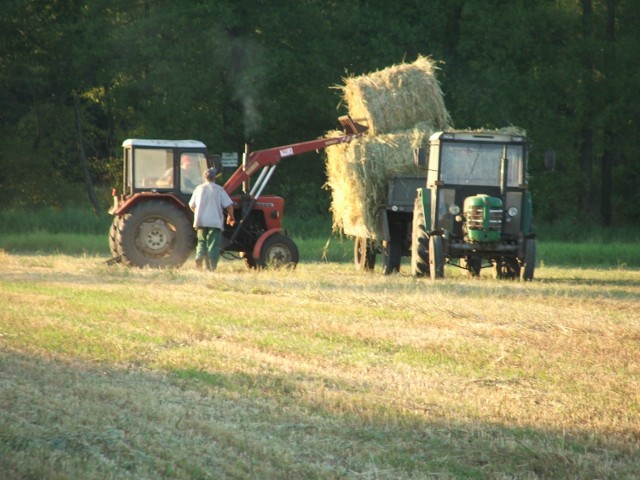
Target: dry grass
<point x="322" y="372"/>
<point x="358" y="173"/>
<point x="397" y="97"/>
<point x="402" y="105"/>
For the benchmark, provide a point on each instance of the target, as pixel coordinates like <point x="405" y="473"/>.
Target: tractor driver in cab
<point x="190" y="175"/>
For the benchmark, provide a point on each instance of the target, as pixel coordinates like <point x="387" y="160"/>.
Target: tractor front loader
<point x="152" y="222"/>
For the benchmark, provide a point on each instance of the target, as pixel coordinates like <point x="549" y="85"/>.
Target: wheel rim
<point x="155" y="237"/>
<point x="278" y="256"/>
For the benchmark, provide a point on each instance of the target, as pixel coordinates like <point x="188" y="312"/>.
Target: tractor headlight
<point x="454" y="209"/>
<point x="513" y="211"/>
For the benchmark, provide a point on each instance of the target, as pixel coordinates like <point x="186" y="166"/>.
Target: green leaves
<point x="230" y="72"/>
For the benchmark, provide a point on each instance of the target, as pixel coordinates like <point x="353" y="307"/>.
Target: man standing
<point x="208" y="202"/>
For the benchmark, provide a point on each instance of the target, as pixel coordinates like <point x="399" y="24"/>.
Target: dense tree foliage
<point x="79" y="76"/>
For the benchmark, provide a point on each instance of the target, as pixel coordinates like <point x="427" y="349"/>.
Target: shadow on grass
<point x="588" y="281"/>
<point x="90" y="421"/>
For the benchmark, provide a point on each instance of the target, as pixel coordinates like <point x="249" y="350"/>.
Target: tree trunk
<point x="610" y="137"/>
<point x="606" y="180"/>
<point x="83" y="160"/>
<point x="587" y="198"/>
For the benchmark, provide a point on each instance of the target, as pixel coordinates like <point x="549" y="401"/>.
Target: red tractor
<point x="153" y="224"/>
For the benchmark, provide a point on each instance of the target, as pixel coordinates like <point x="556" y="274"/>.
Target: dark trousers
<point x="208" y="247"/>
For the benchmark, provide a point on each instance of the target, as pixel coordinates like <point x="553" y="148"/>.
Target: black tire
<point x="278" y="251"/>
<point x="155" y="234"/>
<point x="392" y="254"/>
<point x="419" y="243"/>
<point x="436" y="257"/>
<point x="529" y="260"/>
<point x="364" y="254"/>
<point x="507" y="268"/>
<point x="113" y="234"/>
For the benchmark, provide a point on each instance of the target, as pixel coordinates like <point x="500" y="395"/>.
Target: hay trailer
<point x="475" y="211"/>
<point x="392" y="241"/>
<point x="152" y="222"/>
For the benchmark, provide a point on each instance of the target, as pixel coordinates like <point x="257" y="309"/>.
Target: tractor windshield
<point x="479" y="163"/>
<point x="153" y="168"/>
<point x="150" y="165"/>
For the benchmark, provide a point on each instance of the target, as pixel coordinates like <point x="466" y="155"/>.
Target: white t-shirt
<point x="209" y="201"/>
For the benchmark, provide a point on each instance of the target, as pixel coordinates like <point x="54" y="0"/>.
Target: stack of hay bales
<point x="402" y="105"/>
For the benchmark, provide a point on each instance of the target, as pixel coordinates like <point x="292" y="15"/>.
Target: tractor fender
<point x="258" y="246"/>
<point x="131" y="202"/>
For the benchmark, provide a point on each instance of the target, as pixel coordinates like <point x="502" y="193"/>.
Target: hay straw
<point x="402" y="105"/>
<point x="358" y="175"/>
<point x="397" y="98"/>
<point x="509" y="130"/>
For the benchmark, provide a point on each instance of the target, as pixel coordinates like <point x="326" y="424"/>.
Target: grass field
<point x="321" y="372"/>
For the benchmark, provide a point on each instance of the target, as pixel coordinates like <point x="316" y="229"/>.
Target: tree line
<point x="80" y="76"/>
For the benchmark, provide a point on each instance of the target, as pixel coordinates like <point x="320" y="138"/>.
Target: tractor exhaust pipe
<point x="246" y="184"/>
<point x="504" y="175"/>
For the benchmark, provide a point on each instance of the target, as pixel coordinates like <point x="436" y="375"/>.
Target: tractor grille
<point x="475" y="218"/>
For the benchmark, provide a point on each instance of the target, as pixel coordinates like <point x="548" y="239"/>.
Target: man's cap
<point x="210" y="174"/>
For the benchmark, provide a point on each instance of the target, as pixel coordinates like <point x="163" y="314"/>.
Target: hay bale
<point x="508" y="130"/>
<point x="358" y="173"/>
<point x="397" y="98"/>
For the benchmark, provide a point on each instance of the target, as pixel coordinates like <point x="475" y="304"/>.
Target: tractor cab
<point x="469" y="170"/>
<point x="152" y="220"/>
<point x="164" y="166"/>
<point x="476" y="210"/>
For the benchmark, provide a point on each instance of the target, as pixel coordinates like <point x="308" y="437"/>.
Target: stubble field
<point x="321" y="372"/>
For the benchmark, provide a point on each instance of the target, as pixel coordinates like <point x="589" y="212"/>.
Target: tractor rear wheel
<point x="364" y="253"/>
<point x="436" y="257"/>
<point x="156" y="234"/>
<point x="529" y="260"/>
<point x="419" y="243"/>
<point x="113" y="232"/>
<point x="278" y="251"/>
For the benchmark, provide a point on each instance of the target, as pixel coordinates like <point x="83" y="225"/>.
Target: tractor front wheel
<point x="278" y="251"/>
<point x="529" y="260"/>
<point x="113" y="233"/>
<point x="156" y="234"/>
<point x="436" y="257"/>
<point x="419" y="243"/>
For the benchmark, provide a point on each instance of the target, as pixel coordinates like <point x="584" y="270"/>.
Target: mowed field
<point x="320" y="372"/>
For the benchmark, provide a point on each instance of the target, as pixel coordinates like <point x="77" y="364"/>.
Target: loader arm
<point x="269" y="158"/>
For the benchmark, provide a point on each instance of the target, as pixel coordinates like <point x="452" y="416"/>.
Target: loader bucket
<point x="350" y="126"/>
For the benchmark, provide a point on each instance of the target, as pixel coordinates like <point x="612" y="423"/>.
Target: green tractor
<point x="476" y="210"/>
